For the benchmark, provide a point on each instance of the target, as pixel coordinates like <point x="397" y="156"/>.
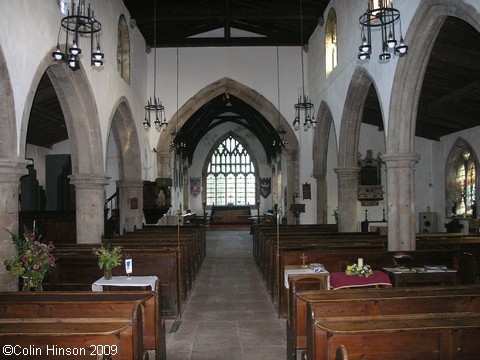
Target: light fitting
<point x="280" y="140"/>
<point x="381" y="14"/>
<point x="154" y="106"/>
<point x="303" y="106"/>
<point x="178" y="141"/>
<point x="79" y="23"/>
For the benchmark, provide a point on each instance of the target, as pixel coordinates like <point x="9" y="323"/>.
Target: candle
<point x="360" y="262"/>
<point x="34" y="225"/>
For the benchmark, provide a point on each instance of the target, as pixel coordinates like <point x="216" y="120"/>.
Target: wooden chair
<point x="341" y="353"/>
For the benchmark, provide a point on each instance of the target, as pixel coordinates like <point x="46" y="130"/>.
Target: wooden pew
<point x="308" y="305"/>
<point x="77" y="268"/>
<point x="80" y="338"/>
<point x="111" y="304"/>
<point x="334" y="261"/>
<point x="395" y="337"/>
<point x="467" y="244"/>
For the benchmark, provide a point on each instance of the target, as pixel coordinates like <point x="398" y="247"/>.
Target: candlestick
<point x="360" y="262"/>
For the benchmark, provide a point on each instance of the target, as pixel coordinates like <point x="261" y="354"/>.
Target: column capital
<point x="130" y="183"/>
<point x="12" y="171"/>
<point x="400" y="160"/>
<point x="347" y="172"/>
<point x="88" y="181"/>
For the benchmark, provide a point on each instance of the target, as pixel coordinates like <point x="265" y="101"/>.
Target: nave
<point x="229" y="314"/>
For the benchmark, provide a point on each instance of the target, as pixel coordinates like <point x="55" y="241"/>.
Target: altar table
<point x="340" y="280"/>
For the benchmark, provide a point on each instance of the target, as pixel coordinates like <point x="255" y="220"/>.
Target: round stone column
<point x="90" y="205"/>
<point x="401" y="200"/>
<point x="347" y="198"/>
<point x="130" y="204"/>
<point x="10" y="174"/>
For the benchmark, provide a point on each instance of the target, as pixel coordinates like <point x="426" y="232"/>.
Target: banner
<point x="265" y="187"/>
<point x="195" y="185"/>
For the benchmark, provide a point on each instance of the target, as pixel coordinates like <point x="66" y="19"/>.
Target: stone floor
<point x="229" y="315"/>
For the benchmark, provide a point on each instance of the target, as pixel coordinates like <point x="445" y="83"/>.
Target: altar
<point x="230" y="214"/>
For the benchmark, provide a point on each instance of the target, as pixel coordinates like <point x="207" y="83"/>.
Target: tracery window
<point x="123" y="49"/>
<point x="231" y="175"/>
<point x="461" y="181"/>
<point x="331" y="55"/>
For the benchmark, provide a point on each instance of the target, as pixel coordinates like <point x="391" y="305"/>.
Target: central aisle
<point x="229" y="315"/>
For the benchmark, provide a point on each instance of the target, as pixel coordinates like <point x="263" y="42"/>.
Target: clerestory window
<point x="231" y="175"/>
<point x="331" y="42"/>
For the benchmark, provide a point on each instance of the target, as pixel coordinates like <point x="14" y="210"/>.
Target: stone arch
<point x="8" y="129"/>
<point x="129" y="183"/>
<point x="407" y="85"/>
<point x="124" y="132"/>
<point x="319" y="156"/>
<point x="347" y="171"/>
<point x="254" y="99"/>
<point x="83" y="125"/>
<point x="410" y="71"/>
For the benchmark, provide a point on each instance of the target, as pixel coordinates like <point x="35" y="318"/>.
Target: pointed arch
<point x="124" y="132"/>
<point x="254" y="99"/>
<point x="410" y="70"/>
<point x="81" y="118"/>
<point x="352" y="118"/>
<point x="8" y="129"/>
<point x="319" y="156"/>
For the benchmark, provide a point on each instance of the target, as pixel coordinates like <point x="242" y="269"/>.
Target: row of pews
<point x="438" y="322"/>
<point x="173" y="254"/>
<point x="275" y="248"/>
<point x="427" y="322"/>
<point x="82" y="325"/>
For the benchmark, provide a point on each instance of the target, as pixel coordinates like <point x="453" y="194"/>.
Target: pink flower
<point x="36" y="267"/>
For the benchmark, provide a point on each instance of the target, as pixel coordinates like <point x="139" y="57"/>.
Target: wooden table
<point x="421" y="276"/>
<point x="125" y="281"/>
<point x="340" y="280"/>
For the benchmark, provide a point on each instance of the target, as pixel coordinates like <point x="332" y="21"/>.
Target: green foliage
<point x="107" y="257"/>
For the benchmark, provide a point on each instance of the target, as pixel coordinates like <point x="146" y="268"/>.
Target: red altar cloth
<point x="340" y="280"/>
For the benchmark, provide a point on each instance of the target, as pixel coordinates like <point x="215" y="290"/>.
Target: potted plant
<point x="108" y="259"/>
<point x="34" y="259"/>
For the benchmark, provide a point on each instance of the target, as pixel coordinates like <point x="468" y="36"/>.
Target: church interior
<point x="265" y="165"/>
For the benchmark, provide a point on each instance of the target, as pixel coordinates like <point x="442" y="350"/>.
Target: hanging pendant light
<point x="154" y="106"/>
<point x="381" y="14"/>
<point x="79" y="23"/>
<point x="303" y="106"/>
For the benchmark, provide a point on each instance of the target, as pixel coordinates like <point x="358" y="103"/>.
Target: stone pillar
<point x="130" y="204"/>
<point x="401" y="200"/>
<point x="347" y="198"/>
<point x="10" y="174"/>
<point x="90" y="205"/>
<point x="322" y="193"/>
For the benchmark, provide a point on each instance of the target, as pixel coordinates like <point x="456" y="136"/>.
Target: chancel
<point x="277" y="146"/>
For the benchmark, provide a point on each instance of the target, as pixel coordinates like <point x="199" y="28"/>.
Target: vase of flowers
<point x="108" y="259"/>
<point x="359" y="270"/>
<point x="34" y="259"/>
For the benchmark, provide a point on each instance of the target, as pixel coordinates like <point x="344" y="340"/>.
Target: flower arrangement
<point x="108" y="259"/>
<point x="34" y="257"/>
<point x="359" y="270"/>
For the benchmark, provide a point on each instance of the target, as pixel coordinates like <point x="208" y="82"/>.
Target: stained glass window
<point x="231" y="175"/>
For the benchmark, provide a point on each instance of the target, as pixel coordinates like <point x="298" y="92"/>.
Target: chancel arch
<point x="250" y="97"/>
